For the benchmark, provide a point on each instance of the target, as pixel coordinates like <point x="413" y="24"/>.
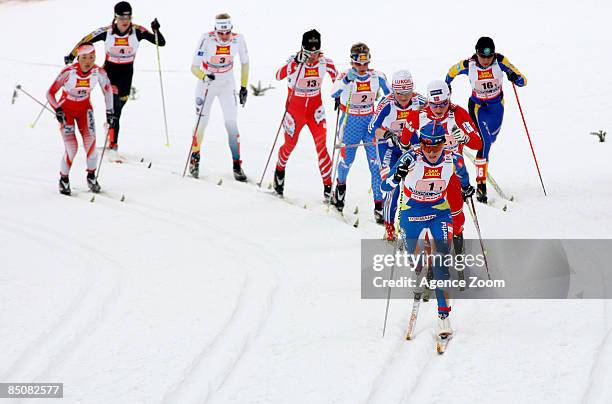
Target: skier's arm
<point x="465" y="123"/>
<point x="340" y="85"/>
<point x="409" y="135"/>
<point x="95" y="36"/>
<point x="460" y="170"/>
<point x="331" y="69"/>
<point x="143" y="33"/>
<point x="404" y="163"/>
<point x="244" y="62"/>
<point x="105" y="86"/>
<point x="198" y="58"/>
<point x="382" y="111"/>
<point x="55" y="87"/>
<point x="514" y="75"/>
<point x="457" y="69"/>
<point x="382" y="82"/>
<point x="287" y="68"/>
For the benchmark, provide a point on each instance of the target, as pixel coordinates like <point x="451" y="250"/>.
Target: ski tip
<point x="18" y="86"/>
<point x="142" y="159"/>
<point x="269" y="185"/>
<point x="220" y="181"/>
<point x="305" y="206"/>
<point x="512" y="198"/>
<point x="149" y="166"/>
<point x="123" y="198"/>
<point x="93" y="198"/>
<point x="356" y="224"/>
<point x="31" y="126"/>
<point x="167" y="144"/>
<point x="356" y="211"/>
<point x="505" y="208"/>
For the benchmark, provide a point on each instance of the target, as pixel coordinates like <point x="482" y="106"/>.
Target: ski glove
<point x="513" y="77"/>
<point x="391" y="139"/>
<point x="467" y="192"/>
<point x="211" y="76"/>
<point x="68" y="59"/>
<point x="401" y="172"/>
<point x="351" y="75"/>
<point x="459" y="136"/>
<point x="300" y="57"/>
<point x="111" y="119"/>
<point x="60" y="115"/>
<point x="336" y="103"/>
<point x="242" y="95"/>
<point x="155" y="25"/>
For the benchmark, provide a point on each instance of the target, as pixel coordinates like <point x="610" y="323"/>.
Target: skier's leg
<point x="70" y="145"/>
<point x="203" y="107"/>
<point x="441" y="231"/>
<point x="87" y="127"/>
<point x="292" y="127"/>
<point x="318" y="128"/>
<point x="351" y="136"/>
<point x="118" y="104"/>
<point x="227" y="99"/>
<point x="496" y="117"/>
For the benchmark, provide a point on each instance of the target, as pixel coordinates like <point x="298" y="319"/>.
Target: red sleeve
<point x="287" y="69"/>
<point x="331" y="69"/>
<point x="56" y="86"/>
<point x="412" y="123"/>
<point x="464" y="122"/>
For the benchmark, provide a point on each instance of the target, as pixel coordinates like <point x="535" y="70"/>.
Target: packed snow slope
<point x="189" y="291"/>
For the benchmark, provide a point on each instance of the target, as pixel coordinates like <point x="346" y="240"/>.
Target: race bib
<point x="432" y="185"/>
<point x="397" y="126"/>
<point x="311" y="83"/>
<point x="486" y="89"/>
<point x="221" y="59"/>
<point x="365" y="98"/>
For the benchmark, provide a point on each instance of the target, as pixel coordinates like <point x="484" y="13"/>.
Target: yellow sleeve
<point x="199" y="73"/>
<point x="244" y="75"/>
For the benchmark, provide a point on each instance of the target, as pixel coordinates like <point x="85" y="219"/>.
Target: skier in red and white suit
<point x="74" y="106"/>
<point x="460" y="132"/>
<point x="305" y="107"/>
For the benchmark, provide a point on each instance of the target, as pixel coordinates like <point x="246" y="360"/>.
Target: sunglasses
<point x="432" y="147"/>
<point x="486" y="56"/>
<point x="224" y="32"/>
<point x="361" y="63"/>
<point x="440" y="104"/>
<point x="123" y="18"/>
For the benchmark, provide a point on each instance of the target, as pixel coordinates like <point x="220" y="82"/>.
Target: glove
<point x="68" y="59"/>
<point x="301" y="57"/>
<point x="336" y="103"/>
<point x="467" y="192"/>
<point x="401" y="172"/>
<point x="391" y="139"/>
<point x="211" y="76"/>
<point x="513" y="77"/>
<point x="242" y="95"/>
<point x="111" y="119"/>
<point x="351" y="75"/>
<point x="60" y="115"/>
<point x="155" y="25"/>
<point x="459" y="136"/>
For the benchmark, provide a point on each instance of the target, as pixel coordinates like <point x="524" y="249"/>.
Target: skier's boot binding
<point x="279" y="181"/>
<point x="92" y="182"/>
<point x="238" y="173"/>
<point x="64" y="185"/>
<point x="194" y="164"/>
<point x="338" y="197"/>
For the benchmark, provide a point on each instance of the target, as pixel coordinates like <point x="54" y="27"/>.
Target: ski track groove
<point x="86" y="312"/>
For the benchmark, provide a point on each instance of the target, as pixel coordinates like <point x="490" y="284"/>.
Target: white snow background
<point x="191" y="292"/>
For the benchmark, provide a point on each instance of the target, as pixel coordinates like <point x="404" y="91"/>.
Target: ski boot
<point x="481" y="192"/>
<point x="444" y="327"/>
<point x="390" y="232"/>
<point x="194" y="164"/>
<point x="338" y="197"/>
<point x="327" y="193"/>
<point x="92" y="182"/>
<point x="279" y="181"/>
<point x="238" y="173"/>
<point x="64" y="186"/>
<point x="378" y="212"/>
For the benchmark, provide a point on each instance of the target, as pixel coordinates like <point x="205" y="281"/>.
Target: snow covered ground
<point x="190" y="292"/>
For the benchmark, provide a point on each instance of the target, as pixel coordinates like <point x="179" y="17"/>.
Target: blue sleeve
<point x="457" y="69"/>
<point x="337" y="93"/>
<point x="389" y="183"/>
<point x="460" y="170"/>
<point x="383" y="84"/>
<point x="507" y="67"/>
<point x="378" y="118"/>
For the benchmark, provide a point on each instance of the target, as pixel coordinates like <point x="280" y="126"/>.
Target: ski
<point x="106" y="194"/>
<point x="413" y="316"/>
<point x="491" y="181"/>
<point x="290" y="201"/>
<point x="350" y="219"/>
<point x="442" y="341"/>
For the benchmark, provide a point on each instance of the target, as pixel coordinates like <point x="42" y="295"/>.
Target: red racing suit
<point x="305" y="107"/>
<point x="76" y="89"/>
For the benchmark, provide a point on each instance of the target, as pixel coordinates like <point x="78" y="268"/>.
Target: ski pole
<point x="472" y="209"/>
<point x="263" y="174"/>
<point x="18" y="87"/>
<point x="396" y="222"/>
<point x="535" y="159"/>
<point x="108" y="129"/>
<point x="343" y="128"/>
<point x="194" y="138"/>
<point x="161" y="86"/>
<point x="335" y="140"/>
<point x="33" y="124"/>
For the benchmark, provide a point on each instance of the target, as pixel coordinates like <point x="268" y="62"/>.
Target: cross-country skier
<point x="357" y="89"/>
<point x="485" y="70"/>
<point x="460" y="132"/>
<point x="213" y="65"/>
<point x="426" y="173"/>
<point x="387" y="123"/>
<point x="304" y="73"/>
<point x="74" y="109"/>
<point x="121" y="40"/>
